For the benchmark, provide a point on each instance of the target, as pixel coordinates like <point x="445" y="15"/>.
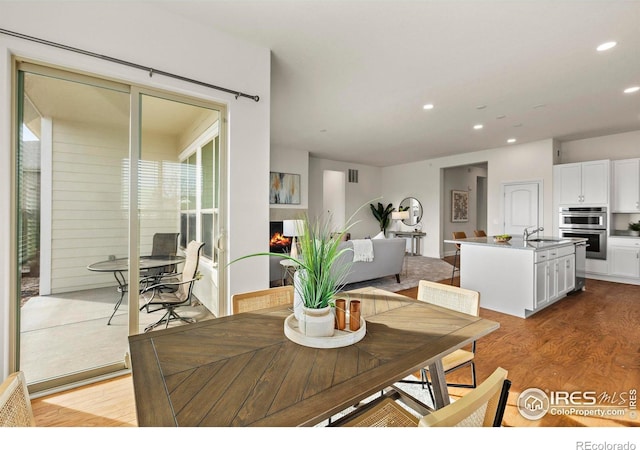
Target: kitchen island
<point x="518" y="277"/>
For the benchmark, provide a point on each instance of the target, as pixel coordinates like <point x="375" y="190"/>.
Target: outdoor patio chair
<point x="15" y="404"/>
<point x="162" y="296"/>
<point x="164" y="244"/>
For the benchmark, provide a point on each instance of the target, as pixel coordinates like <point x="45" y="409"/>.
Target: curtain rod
<point x="151" y="70"/>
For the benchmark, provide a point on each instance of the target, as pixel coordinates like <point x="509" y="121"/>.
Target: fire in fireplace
<point x="277" y="242"/>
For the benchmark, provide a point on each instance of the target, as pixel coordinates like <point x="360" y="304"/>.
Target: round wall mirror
<point x="413" y="206"/>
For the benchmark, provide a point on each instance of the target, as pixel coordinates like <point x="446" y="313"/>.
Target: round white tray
<point x="340" y="338"/>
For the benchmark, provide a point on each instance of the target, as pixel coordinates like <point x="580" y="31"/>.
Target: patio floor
<point x="67" y="333"/>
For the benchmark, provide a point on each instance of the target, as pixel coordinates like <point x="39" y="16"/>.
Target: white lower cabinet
<point x="554" y="274"/>
<point x="516" y="279"/>
<point x="624" y="257"/>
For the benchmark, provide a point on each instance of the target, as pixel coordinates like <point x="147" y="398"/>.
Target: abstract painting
<point x="284" y="188"/>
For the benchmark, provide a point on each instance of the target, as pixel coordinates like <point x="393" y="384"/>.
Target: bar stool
<point x="457" y="235"/>
<point x="479" y="233"/>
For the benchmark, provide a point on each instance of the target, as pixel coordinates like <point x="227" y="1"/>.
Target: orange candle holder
<point x="341" y="313"/>
<point x="354" y="315"/>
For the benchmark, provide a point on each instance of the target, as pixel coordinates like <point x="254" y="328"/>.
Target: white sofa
<point x="388" y="259"/>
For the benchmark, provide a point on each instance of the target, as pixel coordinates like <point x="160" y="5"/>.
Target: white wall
<point x="613" y="146"/>
<point x="367" y="190"/>
<point x="292" y="161"/>
<point x="138" y="33"/>
<point x="424" y="181"/>
<point x="460" y="179"/>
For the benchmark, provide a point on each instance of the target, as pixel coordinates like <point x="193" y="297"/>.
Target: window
<point x="199" y="196"/>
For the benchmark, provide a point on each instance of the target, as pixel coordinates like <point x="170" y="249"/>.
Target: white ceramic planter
<point x="317" y="322"/>
<point x="298" y="303"/>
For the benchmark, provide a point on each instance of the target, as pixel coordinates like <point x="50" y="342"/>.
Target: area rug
<point x="416" y="268"/>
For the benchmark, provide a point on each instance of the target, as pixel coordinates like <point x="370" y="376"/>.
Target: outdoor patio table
<point x="241" y="370"/>
<point x="119" y="266"/>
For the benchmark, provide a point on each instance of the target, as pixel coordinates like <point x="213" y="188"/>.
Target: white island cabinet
<point x="518" y="278"/>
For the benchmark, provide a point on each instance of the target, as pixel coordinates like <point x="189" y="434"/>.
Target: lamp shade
<point x="292" y="228"/>
<point x="400" y="215"/>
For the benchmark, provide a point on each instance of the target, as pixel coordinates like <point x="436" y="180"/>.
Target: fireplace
<point x="277" y="242"/>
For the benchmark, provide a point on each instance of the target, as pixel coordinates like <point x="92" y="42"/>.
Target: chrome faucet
<point x="527" y="233"/>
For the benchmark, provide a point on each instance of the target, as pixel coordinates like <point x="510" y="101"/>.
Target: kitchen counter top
<point x="517" y="243"/>
<point x="623" y="234"/>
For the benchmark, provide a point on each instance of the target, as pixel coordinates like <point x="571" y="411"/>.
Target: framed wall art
<point x="284" y="188"/>
<point x="459" y="206"/>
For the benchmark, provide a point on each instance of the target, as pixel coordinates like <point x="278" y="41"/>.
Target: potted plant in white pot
<point x="634" y="227"/>
<point x="316" y="280"/>
<point x="383" y="215"/>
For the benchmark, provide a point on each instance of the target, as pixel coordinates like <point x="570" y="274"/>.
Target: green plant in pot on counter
<point x="634" y="227"/>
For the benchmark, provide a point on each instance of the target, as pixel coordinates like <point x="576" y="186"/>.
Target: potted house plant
<point x="635" y="228"/>
<point x="382" y="214"/>
<point x="316" y="280"/>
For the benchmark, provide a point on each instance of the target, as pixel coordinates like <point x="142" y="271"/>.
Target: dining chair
<point x="251" y="301"/>
<point x="479" y="233"/>
<point x="457" y="299"/>
<point x="484" y="406"/>
<point x="457" y="235"/>
<point x="162" y="295"/>
<point x="15" y="404"/>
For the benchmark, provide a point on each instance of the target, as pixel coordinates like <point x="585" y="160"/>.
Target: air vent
<point x="353" y="176"/>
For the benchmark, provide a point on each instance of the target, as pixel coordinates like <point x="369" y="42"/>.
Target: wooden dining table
<point x="241" y="370"/>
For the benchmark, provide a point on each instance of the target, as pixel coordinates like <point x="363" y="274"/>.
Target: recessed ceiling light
<point x="511" y="140"/>
<point x="324" y="130"/>
<point x="478" y="127"/>
<point x="631" y="90"/>
<point x="606" y="46"/>
<point x="481" y="106"/>
<point x="501" y="116"/>
<point x="428" y="106"/>
<point x="539" y="105"/>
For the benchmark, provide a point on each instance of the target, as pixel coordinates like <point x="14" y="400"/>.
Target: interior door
<point x="521" y="207"/>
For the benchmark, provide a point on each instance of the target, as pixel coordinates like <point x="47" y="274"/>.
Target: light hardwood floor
<point x="588" y="341"/>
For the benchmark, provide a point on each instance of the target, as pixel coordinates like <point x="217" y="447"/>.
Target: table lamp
<point x="399" y="215"/>
<point x="293" y="229"/>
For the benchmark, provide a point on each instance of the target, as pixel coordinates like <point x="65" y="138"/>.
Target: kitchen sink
<point x="543" y="240"/>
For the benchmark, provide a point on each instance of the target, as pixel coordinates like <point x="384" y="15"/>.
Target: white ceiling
<point x="349" y="78"/>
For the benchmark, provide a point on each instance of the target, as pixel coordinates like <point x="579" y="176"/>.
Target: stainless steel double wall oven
<point x="589" y="223"/>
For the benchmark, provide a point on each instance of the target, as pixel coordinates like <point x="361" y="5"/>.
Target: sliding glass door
<point x="72" y="153"/>
<point x="179" y="188"/>
<point x="100" y="170"/>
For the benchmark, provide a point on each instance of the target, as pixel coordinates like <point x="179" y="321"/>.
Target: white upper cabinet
<point x="626" y="185"/>
<point x="584" y="183"/>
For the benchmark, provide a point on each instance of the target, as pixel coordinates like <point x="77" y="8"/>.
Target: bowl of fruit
<point x="502" y="238"/>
